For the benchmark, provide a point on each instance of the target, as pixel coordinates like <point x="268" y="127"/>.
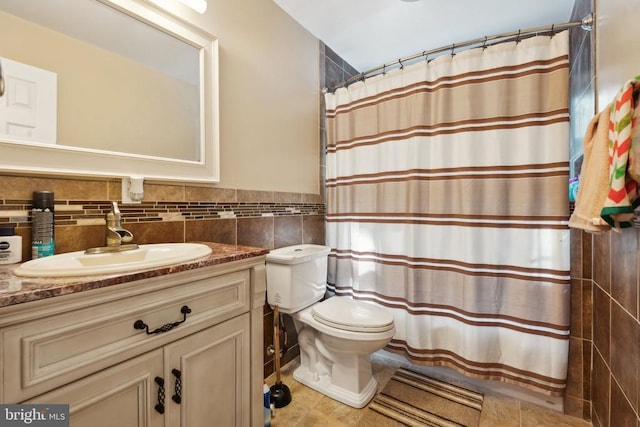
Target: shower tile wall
<point x="333" y="69"/>
<point x="577" y="400"/>
<point x="616" y="330"/>
<point x="605" y="333"/>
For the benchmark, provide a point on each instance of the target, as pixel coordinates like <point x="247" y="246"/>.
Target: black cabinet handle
<point x="177" y="397"/>
<point x="160" y="405"/>
<point x="139" y="324"/>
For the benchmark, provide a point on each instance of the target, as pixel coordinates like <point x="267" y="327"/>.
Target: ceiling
<point x="369" y="33"/>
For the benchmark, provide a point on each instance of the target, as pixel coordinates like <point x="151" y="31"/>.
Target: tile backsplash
<point x="169" y="213"/>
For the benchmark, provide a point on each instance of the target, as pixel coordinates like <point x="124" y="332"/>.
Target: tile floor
<point x="309" y="408"/>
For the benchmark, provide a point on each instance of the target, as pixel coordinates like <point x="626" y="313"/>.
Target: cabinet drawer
<point x="52" y="351"/>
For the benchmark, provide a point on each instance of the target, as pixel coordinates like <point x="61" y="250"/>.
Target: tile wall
<point x="604" y="355"/>
<point x="169" y="213"/>
<point x="333" y="69"/>
<point x="577" y="400"/>
<point x="615" y="381"/>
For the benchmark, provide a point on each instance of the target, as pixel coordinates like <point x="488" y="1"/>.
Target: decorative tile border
<point x="72" y="212"/>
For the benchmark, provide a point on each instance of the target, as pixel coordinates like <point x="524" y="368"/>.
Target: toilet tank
<point x="296" y="276"/>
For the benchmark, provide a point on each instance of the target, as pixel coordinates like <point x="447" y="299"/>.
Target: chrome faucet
<point x="115" y="235"/>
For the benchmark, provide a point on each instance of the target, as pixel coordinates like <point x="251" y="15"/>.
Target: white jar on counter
<point x="10" y="246"/>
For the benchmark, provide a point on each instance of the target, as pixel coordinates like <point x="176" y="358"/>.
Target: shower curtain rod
<point x="586" y="24"/>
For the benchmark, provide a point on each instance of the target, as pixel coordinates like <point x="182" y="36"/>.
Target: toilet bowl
<point x="336" y="336"/>
<point x="334" y="357"/>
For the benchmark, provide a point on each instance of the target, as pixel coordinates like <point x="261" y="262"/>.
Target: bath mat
<point x="414" y="399"/>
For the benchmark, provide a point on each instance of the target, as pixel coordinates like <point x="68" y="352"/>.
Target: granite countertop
<point x="16" y="290"/>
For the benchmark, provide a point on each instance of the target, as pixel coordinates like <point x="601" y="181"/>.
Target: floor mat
<point x="414" y="399"/>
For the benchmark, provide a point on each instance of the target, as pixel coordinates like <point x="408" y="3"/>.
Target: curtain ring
<point x="553" y="33"/>
<point x="518" y="37"/>
<point x="401" y="64"/>
<point x="484" y="44"/>
<point x="384" y="69"/>
<point x="453" y="46"/>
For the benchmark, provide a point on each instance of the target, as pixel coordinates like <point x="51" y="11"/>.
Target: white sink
<point x="82" y="264"/>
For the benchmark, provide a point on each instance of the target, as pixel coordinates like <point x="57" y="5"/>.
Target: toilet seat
<point x="352" y="315"/>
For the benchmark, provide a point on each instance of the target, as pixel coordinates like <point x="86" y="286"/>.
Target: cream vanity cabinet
<point x="90" y="349"/>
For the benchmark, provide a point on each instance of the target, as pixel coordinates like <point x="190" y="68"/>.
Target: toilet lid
<point x="352" y="315"/>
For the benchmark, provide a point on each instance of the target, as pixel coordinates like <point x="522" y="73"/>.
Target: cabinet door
<point x="214" y="371"/>
<point x="124" y="395"/>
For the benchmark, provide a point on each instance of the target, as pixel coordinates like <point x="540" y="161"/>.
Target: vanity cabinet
<point x="198" y="366"/>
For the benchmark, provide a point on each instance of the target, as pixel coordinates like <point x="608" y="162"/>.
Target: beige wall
<point x="269" y="96"/>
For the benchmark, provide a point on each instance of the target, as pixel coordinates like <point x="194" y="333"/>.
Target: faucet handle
<point x="114" y="208"/>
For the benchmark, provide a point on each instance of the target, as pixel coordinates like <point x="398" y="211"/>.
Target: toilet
<point x="336" y="336"/>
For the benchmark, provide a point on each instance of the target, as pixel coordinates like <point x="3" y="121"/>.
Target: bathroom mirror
<point x="135" y="90"/>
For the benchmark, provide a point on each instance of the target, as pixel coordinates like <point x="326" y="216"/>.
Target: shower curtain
<point x="447" y="204"/>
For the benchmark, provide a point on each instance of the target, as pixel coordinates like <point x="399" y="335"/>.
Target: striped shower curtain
<point x="447" y="204"/>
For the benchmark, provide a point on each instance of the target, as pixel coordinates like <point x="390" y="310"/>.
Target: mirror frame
<point x="20" y="157"/>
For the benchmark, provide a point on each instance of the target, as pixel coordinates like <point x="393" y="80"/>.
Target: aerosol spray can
<point x="42" y="242"/>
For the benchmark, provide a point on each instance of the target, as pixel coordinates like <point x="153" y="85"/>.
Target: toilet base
<point x="324" y="385"/>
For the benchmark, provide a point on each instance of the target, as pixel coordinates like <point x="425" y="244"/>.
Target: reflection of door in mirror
<point x="123" y="86"/>
<point x="28" y="111"/>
